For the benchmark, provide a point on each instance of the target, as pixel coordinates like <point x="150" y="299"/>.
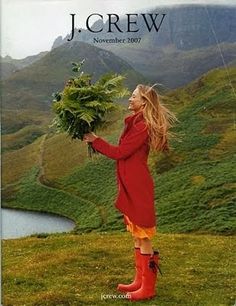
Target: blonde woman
<point x="145" y="129"/>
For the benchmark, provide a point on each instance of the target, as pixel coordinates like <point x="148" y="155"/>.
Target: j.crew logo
<point x="151" y="21"/>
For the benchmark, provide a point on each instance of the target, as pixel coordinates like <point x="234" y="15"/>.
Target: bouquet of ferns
<point x="82" y="107"/>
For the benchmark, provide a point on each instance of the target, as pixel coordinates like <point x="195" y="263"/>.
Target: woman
<point x="146" y="128"/>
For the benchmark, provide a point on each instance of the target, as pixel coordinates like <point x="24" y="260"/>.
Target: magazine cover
<point x="118" y="152"/>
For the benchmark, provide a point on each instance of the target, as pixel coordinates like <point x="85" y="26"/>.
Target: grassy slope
<point x="194" y="191"/>
<point x="14" y="120"/>
<point x="32" y="86"/>
<point x="171" y="67"/>
<point x="195" y="185"/>
<point x="18" y="162"/>
<point x="63" y="270"/>
<point x="21" y="138"/>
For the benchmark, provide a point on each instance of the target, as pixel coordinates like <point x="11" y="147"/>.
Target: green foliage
<point x="82" y="106"/>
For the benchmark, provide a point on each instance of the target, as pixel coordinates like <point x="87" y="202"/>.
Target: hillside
<point x="27" y="94"/>
<point x="32" y="87"/>
<point x="10" y="65"/>
<point x="172" y="67"/>
<point x="194" y="185"/>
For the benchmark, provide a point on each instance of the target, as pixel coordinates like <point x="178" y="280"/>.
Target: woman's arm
<point x="130" y="144"/>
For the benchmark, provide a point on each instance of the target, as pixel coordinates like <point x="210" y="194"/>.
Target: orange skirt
<point x="139" y="232"/>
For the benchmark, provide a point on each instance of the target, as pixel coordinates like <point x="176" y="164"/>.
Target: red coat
<point x="135" y="184"/>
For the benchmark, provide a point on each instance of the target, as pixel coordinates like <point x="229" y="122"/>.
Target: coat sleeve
<point x="138" y="135"/>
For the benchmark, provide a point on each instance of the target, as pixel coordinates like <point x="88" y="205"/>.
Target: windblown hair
<point x="158" y="118"/>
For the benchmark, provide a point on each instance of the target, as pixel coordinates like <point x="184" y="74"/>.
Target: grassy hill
<point x="10" y="65"/>
<point x="22" y="137"/>
<point x="172" y="67"/>
<point x="27" y="94"/>
<point x="14" y="120"/>
<point x="63" y="270"/>
<point x="194" y="185"/>
<point x="32" y="86"/>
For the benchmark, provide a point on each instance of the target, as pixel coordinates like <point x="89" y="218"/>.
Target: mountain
<point x="10" y="65"/>
<point x="192" y="40"/>
<point x="32" y="86"/>
<point x="186" y="27"/>
<point x="194" y="184"/>
<point x="174" y="68"/>
<point x="7" y="69"/>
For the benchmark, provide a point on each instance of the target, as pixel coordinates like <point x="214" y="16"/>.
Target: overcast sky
<point x="30" y="26"/>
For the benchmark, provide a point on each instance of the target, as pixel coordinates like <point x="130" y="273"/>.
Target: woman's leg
<point x="146" y="246"/>
<point x="137" y="242"/>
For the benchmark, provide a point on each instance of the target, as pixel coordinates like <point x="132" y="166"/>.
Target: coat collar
<point x="137" y="117"/>
<point x="129" y="122"/>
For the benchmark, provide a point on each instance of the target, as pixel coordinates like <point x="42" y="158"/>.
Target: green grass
<point x="21" y="138"/>
<point x="66" y="269"/>
<point x="194" y="195"/>
<point x="21" y="161"/>
<point x="31" y="194"/>
<point x="14" y="120"/>
<point x="197" y="197"/>
<point x="194" y="184"/>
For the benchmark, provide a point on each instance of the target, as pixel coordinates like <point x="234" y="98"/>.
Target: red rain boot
<point x="136" y="284"/>
<point x="149" y="277"/>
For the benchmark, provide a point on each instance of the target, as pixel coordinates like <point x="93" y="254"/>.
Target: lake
<point x="19" y="223"/>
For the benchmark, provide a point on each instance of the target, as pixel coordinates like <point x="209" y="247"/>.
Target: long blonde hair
<point x="158" y="118"/>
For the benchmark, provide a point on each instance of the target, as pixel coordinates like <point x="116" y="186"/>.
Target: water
<point x="19" y="223"/>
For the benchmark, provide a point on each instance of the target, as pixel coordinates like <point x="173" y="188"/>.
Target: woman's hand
<point x="89" y="137"/>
